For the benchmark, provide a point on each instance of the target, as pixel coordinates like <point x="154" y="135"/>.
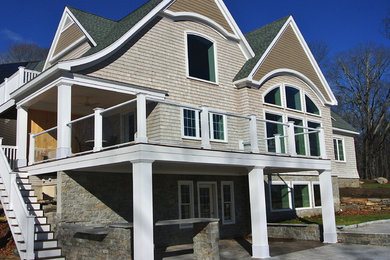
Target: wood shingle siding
<point x="77" y="52"/>
<point x="288" y="53"/>
<point x="348" y="168"/>
<point x="69" y="36"/>
<point x="206" y="8"/>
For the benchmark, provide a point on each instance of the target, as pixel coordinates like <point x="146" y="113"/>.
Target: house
<point x="168" y="122"/>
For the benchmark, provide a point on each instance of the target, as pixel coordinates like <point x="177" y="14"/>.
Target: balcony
<point x="159" y="122"/>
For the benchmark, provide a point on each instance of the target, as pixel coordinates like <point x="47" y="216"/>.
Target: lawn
<point x="343" y="218"/>
<point x="375" y="185"/>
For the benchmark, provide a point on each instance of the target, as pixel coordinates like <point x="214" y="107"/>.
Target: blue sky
<point x="341" y="24"/>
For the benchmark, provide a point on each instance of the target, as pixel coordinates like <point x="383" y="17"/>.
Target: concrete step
<point x="44" y="235"/>
<point x="43" y="244"/>
<point x="48" y="252"/>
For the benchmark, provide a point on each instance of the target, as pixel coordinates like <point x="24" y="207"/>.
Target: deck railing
<point x="147" y="120"/>
<point x="10" y="153"/>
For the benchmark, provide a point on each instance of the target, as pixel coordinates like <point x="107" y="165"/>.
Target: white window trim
<point x="215" y="188"/>
<point x="284" y="183"/>
<point x="186" y="33"/>
<point x="211" y="126"/>
<point x="304" y="100"/>
<point x="280" y="86"/>
<point x="197" y="127"/>
<point x="312" y="191"/>
<point x="192" y="208"/>
<point x="285" y="85"/>
<point x="293" y="183"/>
<point x="231" y="185"/>
<point x="343" y="144"/>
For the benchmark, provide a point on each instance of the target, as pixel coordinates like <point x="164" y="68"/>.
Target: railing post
<point x="30" y="237"/>
<point x="31" y="153"/>
<point x="21" y="136"/>
<point x="141" y="119"/>
<point x="98" y="136"/>
<point x="253" y="134"/>
<point x="204" y="122"/>
<point x="1" y="142"/>
<point x="291" y="139"/>
<point x="321" y="137"/>
<point x="278" y="147"/>
<point x="21" y="76"/>
<point x="64" y="103"/>
<point x="6" y="92"/>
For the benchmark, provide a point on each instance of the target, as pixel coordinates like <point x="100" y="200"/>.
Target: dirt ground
<point x="365" y="192"/>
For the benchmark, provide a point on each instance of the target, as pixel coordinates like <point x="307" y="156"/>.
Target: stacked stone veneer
<point x="376" y="204"/>
<point x="295" y="231"/>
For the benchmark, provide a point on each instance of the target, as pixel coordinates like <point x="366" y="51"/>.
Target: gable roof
<point x="260" y="39"/>
<point x="339" y="123"/>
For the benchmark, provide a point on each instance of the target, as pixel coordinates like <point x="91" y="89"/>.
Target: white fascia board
<point x="244" y="45"/>
<point x="197" y="17"/>
<point x="81" y="27"/>
<point x="7" y="105"/>
<point x="345" y="131"/>
<point x="179" y="155"/>
<point x="67" y="65"/>
<point x="314" y="62"/>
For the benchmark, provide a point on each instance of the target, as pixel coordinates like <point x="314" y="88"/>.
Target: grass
<point x="375" y="185"/>
<point x="341" y="219"/>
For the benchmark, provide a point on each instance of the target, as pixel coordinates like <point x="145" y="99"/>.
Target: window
<point x="314" y="140"/>
<point x="273" y="97"/>
<point x="218" y="127"/>
<point x="280" y="196"/>
<point x="273" y="129"/>
<point x="338" y="145"/>
<point x="316" y="195"/>
<point x="299" y="137"/>
<point x="186" y="199"/>
<point x="293" y="98"/>
<point x="301" y="195"/>
<point x="201" y="60"/>
<point x="311" y="107"/>
<point x="228" y="214"/>
<point x="191" y="123"/>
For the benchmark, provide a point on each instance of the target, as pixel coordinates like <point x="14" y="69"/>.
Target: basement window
<point x="280" y="196"/>
<point x="301" y="196"/>
<point x="201" y="59"/>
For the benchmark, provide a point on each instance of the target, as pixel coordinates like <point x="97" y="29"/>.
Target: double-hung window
<point x="217" y="127"/>
<point x="191" y="123"/>
<point x="338" y="146"/>
<point x="186" y="199"/>
<point x="227" y="190"/>
<point x="314" y="139"/>
<point x="299" y="136"/>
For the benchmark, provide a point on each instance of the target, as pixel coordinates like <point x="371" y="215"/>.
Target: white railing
<point x="25" y="221"/>
<point x="242" y="133"/>
<point x="10" y="153"/>
<point x="16" y="80"/>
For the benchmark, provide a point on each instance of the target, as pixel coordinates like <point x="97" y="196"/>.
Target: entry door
<point x="207" y="201"/>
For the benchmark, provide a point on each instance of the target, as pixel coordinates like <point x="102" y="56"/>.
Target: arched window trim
<point x="282" y="105"/>
<point x="206" y="37"/>
<point x="315" y="103"/>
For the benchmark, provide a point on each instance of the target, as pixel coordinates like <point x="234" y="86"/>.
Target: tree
<point x="23" y="52"/>
<point x="320" y="51"/>
<point x="386" y="25"/>
<point x="361" y="81"/>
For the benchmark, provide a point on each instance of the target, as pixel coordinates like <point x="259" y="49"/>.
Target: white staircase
<point x="32" y="234"/>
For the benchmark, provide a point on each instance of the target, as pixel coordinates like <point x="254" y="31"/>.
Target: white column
<point x="21" y="136"/>
<point x="98" y="134"/>
<point x="291" y="139"/>
<point x="260" y="248"/>
<point x="204" y="123"/>
<point x="321" y="137"/>
<point x="253" y="134"/>
<point x="31" y="153"/>
<point x="141" y="119"/>
<point x="327" y="204"/>
<point x="143" y="210"/>
<point x="64" y="114"/>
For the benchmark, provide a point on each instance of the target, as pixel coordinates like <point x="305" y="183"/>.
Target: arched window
<point x="293" y="98"/>
<point x="201" y="63"/>
<point x="311" y="107"/>
<point x="273" y="97"/>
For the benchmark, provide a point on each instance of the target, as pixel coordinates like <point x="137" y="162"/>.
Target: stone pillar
<point x="64" y="114"/>
<point x="260" y="248"/>
<point x="206" y="241"/>
<point x="143" y="210"/>
<point x="21" y="136"/>
<point x="327" y="204"/>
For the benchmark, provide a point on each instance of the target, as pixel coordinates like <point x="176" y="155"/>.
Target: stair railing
<point x="25" y="221"/>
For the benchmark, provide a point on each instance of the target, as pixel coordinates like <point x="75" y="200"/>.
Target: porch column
<point x="327" y="204"/>
<point x="260" y="248"/>
<point x="141" y="119"/>
<point x="143" y="210"/>
<point x="21" y="136"/>
<point x="64" y="99"/>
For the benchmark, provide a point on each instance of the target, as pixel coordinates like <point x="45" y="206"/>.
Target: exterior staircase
<point x="33" y="236"/>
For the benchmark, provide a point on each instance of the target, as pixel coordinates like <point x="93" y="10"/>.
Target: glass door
<point x="207" y="201"/>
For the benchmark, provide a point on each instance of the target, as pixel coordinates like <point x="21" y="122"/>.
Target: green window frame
<point x="272" y="129"/>
<point x="314" y="139"/>
<point x="293" y="98"/>
<point x="316" y="195"/>
<point x="217" y="127"/>
<point x="201" y="58"/>
<point x="273" y="97"/>
<point x="301" y="195"/>
<point x="311" y="107"/>
<point x="300" y="145"/>
<point x="280" y="196"/>
<point x="338" y="146"/>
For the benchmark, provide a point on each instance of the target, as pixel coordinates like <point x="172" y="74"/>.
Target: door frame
<point x="214" y="190"/>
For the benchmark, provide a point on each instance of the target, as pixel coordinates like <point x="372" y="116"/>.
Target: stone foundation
<point x="348" y="183"/>
<point x="295" y="231"/>
<point x="376" y="204"/>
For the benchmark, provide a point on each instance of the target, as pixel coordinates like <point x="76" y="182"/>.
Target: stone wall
<point x="349" y="183"/>
<point x="295" y="231"/>
<point x="376" y="204"/>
